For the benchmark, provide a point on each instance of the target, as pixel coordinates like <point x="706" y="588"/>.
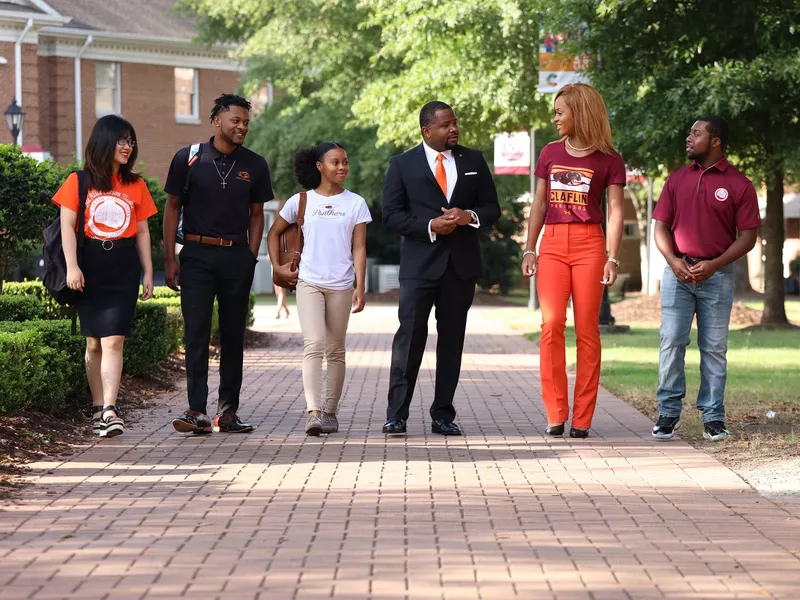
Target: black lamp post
<point x="14" y="118"/>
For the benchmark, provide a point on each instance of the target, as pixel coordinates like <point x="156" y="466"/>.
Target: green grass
<point x="792" y="308"/>
<point x="763" y="375"/>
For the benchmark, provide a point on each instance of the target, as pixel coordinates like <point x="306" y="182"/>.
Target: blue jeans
<point x="711" y="301"/>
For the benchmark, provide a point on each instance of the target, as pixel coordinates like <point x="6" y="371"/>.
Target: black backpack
<point x="55" y="265"/>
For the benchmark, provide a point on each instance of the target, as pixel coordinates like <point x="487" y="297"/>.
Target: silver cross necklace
<point x="226" y="174"/>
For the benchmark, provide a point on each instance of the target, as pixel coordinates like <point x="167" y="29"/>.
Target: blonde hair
<point x="589" y="115"/>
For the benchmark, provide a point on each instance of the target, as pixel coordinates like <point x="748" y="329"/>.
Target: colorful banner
<point x="512" y="153"/>
<point x="557" y="68"/>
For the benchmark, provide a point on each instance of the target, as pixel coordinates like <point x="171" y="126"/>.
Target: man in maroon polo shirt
<point x="706" y="218"/>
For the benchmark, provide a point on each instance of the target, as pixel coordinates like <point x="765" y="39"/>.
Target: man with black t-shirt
<point x="221" y="187"/>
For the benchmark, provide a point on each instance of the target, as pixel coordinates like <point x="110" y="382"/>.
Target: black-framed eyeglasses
<point x="126" y="142"/>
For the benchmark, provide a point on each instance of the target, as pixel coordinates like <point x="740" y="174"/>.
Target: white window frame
<point x="257" y="108"/>
<point x="117" y="109"/>
<point x="194" y="118"/>
<point x="635" y="224"/>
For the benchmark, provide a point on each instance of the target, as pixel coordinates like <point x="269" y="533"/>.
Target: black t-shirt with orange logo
<point x="222" y="188"/>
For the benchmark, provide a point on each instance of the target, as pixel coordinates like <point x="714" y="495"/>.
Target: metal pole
<point x="18" y="68"/>
<point x="79" y="101"/>
<point x="533" y="298"/>
<point x="648" y="287"/>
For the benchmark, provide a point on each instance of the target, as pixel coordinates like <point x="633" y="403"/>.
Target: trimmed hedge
<point x="148" y="344"/>
<point x="20" y="308"/>
<point x="51" y="309"/>
<point x="43" y="363"/>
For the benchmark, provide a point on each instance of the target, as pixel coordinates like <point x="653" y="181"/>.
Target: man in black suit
<point x="436" y="196"/>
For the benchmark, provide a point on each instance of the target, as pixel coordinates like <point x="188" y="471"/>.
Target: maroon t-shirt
<point x="575" y="186"/>
<point x="704" y="209"/>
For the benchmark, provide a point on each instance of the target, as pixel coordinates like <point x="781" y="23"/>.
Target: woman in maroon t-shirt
<point x="573" y="173"/>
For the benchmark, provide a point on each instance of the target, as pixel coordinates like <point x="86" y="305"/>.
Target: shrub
<point x="148" y="344"/>
<point x="20" y="359"/>
<point x="26" y="189"/>
<point x="51" y="309"/>
<point x="42" y="365"/>
<point x="162" y="291"/>
<point x="20" y="308"/>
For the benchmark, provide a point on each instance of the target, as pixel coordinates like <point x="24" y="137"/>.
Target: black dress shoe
<point x="578" y="433"/>
<point x="555" y="430"/>
<point x="445" y="427"/>
<point x="394" y="426"/>
<point x="230" y="423"/>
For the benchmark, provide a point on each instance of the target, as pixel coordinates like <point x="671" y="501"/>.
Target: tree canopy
<point x="660" y="65"/>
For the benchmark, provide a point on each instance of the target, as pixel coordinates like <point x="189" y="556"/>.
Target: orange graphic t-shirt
<point x="110" y="215"/>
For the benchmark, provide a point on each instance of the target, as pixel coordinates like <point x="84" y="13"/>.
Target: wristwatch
<point x="613" y="260"/>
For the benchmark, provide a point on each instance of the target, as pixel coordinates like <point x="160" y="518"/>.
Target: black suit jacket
<point x="412" y="197"/>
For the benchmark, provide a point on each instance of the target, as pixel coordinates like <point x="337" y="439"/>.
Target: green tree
<point x="480" y="56"/>
<point x="26" y="189"/>
<point x="334" y="60"/>
<point x="662" y="64"/>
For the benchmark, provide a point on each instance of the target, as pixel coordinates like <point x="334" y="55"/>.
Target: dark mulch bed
<point x="641" y="309"/>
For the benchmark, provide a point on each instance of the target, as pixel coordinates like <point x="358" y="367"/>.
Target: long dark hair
<point x="305" y="161"/>
<point x="100" y="150"/>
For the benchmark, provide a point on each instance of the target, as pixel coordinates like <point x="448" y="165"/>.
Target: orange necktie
<point x="441" y="175"/>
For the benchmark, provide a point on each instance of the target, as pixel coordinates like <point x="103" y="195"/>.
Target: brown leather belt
<point x="693" y="260"/>
<point x="211" y="241"/>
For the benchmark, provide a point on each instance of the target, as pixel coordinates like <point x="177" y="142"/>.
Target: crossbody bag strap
<point x="301" y="217"/>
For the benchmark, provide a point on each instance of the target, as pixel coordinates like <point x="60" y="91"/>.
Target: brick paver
<point x="502" y="512"/>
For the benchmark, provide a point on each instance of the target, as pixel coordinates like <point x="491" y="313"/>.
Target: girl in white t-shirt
<point x="330" y="282"/>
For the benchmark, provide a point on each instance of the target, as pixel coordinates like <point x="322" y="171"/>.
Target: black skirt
<point x="111" y="289"/>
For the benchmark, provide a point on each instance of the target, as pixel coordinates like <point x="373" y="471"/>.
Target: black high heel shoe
<point x="555" y="430"/>
<point x="578" y="433"/>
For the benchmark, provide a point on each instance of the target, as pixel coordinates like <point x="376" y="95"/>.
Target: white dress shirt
<point x="452" y="177"/>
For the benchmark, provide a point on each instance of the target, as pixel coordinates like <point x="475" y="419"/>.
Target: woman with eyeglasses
<point x="115" y="252"/>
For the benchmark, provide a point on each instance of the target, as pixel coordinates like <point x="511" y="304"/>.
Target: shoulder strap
<point x="301" y="216"/>
<point x="301" y="210"/>
<point x="195" y="152"/>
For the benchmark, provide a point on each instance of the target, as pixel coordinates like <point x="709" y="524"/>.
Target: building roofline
<point x="112" y="36"/>
<point x="45" y="8"/>
<point x="38" y="18"/>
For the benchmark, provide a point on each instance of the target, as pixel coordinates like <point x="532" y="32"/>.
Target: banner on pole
<point x="558" y="68"/>
<point x="512" y="153"/>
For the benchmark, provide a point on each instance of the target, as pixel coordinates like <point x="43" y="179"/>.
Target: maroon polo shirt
<point x="705" y="208"/>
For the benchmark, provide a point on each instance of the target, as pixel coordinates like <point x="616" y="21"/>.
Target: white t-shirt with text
<point x="327" y="258"/>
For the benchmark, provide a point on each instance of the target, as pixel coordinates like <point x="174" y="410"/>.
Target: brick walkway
<point x="502" y="512"/>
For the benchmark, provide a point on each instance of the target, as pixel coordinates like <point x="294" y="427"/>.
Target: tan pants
<point x="324" y="315"/>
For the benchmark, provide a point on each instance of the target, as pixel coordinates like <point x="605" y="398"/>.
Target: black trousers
<point x="224" y="273"/>
<point x="452" y="297"/>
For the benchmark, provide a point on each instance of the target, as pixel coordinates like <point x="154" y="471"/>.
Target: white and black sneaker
<point x="714" y="431"/>
<point x="665" y="427"/>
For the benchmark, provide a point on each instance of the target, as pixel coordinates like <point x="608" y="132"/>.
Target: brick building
<point x="132" y="57"/>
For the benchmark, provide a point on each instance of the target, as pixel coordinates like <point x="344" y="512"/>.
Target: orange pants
<point x="572" y="258"/>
